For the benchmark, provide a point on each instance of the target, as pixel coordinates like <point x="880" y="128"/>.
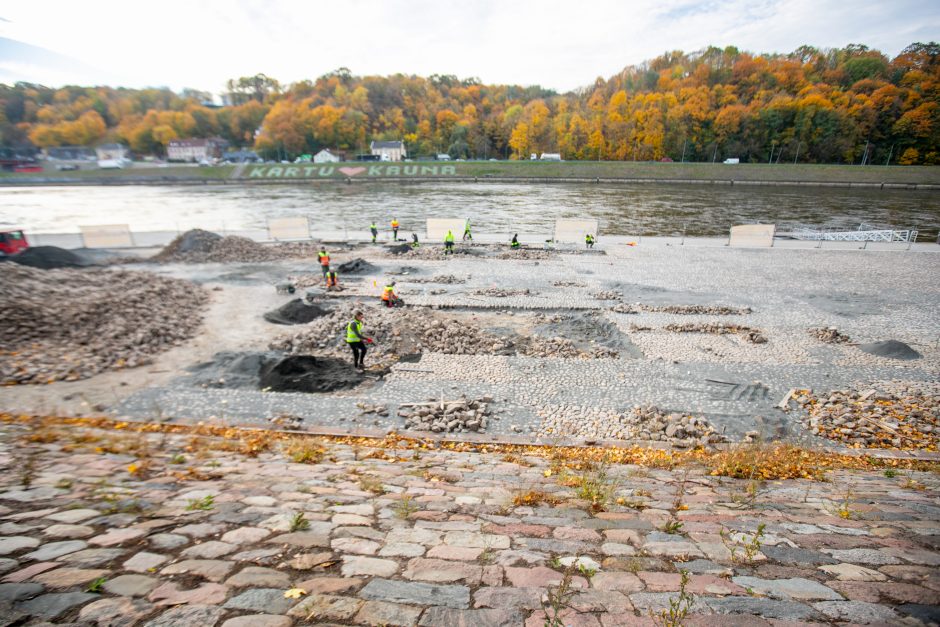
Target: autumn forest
<point x="849" y="105"/>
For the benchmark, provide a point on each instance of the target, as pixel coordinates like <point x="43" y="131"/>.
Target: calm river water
<point x="644" y="209"/>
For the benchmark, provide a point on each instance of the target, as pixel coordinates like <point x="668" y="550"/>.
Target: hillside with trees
<point x="849" y="105"/>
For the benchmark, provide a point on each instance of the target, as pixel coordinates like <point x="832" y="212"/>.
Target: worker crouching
<point x="389" y="297"/>
<point x="332" y="281"/>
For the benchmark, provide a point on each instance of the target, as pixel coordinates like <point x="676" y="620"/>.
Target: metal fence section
<point x="864" y="233"/>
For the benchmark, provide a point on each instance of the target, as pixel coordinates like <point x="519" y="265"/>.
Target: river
<point x="640" y="209"/>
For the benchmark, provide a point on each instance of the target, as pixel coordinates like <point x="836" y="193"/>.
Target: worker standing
<point x="357" y="342"/>
<point x="388" y="294"/>
<point x="324" y="258"/>
<point x="589" y="241"/>
<point x="514" y="243"/>
<point x="449" y="243"/>
<point x="467" y="235"/>
<point x="375" y="231"/>
<point x="332" y="280"/>
<point x="395" y="229"/>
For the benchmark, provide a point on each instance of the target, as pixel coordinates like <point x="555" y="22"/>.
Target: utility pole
<point x="715" y="154"/>
<point x="684" y="142"/>
<point x="890" y="152"/>
<point x="797" y="151"/>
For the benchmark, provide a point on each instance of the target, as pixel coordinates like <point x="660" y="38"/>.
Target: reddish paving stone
<point x="569" y="618"/>
<point x="500" y="597"/>
<point x="539" y="577"/>
<point x="330" y="585"/>
<point x="206" y="594"/>
<point x="517" y="530"/>
<point x="385" y="614"/>
<point x="873" y="592"/>
<point x="621" y="619"/>
<point x="468" y="554"/>
<point x="575" y="533"/>
<point x="30" y="571"/>
<point x="442" y="571"/>
<point x="600" y="601"/>
<point x="428" y="515"/>
<point x="492" y="575"/>
<point x="698" y="584"/>
<point x="624" y="536"/>
<point x="68" y="577"/>
<point x="619" y="581"/>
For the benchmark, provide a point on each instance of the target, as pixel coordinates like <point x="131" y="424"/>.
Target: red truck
<point x="12" y="242"/>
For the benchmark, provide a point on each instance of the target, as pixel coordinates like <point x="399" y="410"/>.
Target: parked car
<point x="66" y="167"/>
<point x="12" y="242"/>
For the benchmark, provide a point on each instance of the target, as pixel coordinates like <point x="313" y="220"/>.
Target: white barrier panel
<point x="752" y="235"/>
<point x="437" y="228"/>
<point x="573" y="231"/>
<point x="107" y="236"/>
<point x="289" y="228"/>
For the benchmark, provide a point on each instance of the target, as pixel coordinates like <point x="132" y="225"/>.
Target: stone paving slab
<point x="368" y="536"/>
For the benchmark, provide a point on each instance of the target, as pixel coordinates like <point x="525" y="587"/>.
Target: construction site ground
<point x="575" y="295"/>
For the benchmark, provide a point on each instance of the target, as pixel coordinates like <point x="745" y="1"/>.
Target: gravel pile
<point x="567" y="284"/>
<point x="907" y="419"/>
<point x="640" y="423"/>
<point x="829" y="335"/>
<point x="527" y="254"/>
<point x="72" y="324"/>
<point x="497" y="292"/>
<point x="608" y="295"/>
<point x="754" y="336"/>
<point x="449" y="279"/>
<point x="198" y="246"/>
<point x="429" y="252"/>
<point x="305" y="280"/>
<point x="461" y="416"/>
<point x="681" y="310"/>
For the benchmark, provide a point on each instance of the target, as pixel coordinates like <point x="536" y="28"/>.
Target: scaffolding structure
<point x="864" y="233"/>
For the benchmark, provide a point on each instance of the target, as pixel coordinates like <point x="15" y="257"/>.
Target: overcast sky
<point x="558" y="44"/>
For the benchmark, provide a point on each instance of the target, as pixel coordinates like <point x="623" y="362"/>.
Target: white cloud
<point x="554" y="43"/>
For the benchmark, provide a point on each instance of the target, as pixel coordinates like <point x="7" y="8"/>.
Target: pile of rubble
<point x="567" y="284"/>
<point x="908" y="419"/>
<point x="369" y="408"/>
<point x="198" y="246"/>
<point x="497" y="292"/>
<point x="527" y="254"/>
<point x="641" y="423"/>
<point x="433" y="252"/>
<point x="440" y="278"/>
<point x="681" y="310"/>
<point x="71" y="324"/>
<point x="440" y="416"/>
<point x="754" y="336"/>
<point x="301" y="281"/>
<point x="829" y="335"/>
<point x="608" y="295"/>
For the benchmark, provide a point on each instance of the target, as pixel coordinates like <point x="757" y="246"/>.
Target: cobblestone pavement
<point x="106" y="527"/>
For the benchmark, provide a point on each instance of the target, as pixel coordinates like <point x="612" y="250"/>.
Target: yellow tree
<point x="519" y="141"/>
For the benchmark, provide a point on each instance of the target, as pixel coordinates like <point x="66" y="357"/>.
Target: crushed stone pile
<point x="829" y="335"/>
<point x="49" y="257"/>
<point x="460" y="416"/>
<point x="528" y="254"/>
<point x="301" y="281"/>
<point x="681" y="310"/>
<point x="497" y="292"/>
<point x="368" y="408"/>
<point x="754" y="336"/>
<point x="356" y="266"/>
<point x="567" y="284"/>
<point x="892" y="349"/>
<point x="71" y="324"/>
<point x="907" y="418"/>
<point x="608" y="295"/>
<point x="640" y="423"/>
<point x="449" y="279"/>
<point x="198" y="246"/>
<point x="295" y="312"/>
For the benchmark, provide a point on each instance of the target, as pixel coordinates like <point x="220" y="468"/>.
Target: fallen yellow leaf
<point x="294" y="593"/>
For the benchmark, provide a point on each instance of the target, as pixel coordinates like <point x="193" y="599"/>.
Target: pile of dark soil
<point x="356" y="266"/>
<point x="192" y="241"/>
<point x="892" y="349"/>
<point x="295" y="312"/>
<point x="305" y="373"/>
<point x="275" y="372"/>
<point x="49" y="258"/>
<point x="400" y="249"/>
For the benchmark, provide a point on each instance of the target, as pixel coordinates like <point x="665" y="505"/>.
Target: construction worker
<point x="395" y="228"/>
<point x="332" y="280"/>
<point x="449" y="243"/>
<point x="414" y="240"/>
<point x="324" y="258"/>
<point x="375" y="231"/>
<point x="589" y="241"/>
<point x="467" y="235"/>
<point x="388" y="294"/>
<point x="357" y="342"/>
<point x="515" y="242"/>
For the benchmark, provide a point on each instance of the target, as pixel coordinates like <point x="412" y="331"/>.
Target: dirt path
<point x="233" y="322"/>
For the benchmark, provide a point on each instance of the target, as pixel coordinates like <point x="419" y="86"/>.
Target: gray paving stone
<point x="261" y="600"/>
<point x="87" y="558"/>
<point x="143" y="562"/>
<point x="795" y="588"/>
<point x="259" y="620"/>
<point x="435" y="616"/>
<point x="457" y="597"/>
<point x="131" y="585"/>
<point x="55" y="604"/>
<point x="188" y="616"/>
<point x="72" y="516"/>
<point x="863" y="556"/>
<point x="12" y="544"/>
<point x="857" y="612"/>
<point x="260" y="577"/>
<point x="19" y="591"/>
<point x="7" y="564"/>
<point x="790" y="556"/>
<point x="115" y="612"/>
<point x="765" y="608"/>
<point x="384" y="614"/>
<point x="928" y="614"/>
<point x="167" y="541"/>
<point x="53" y="550"/>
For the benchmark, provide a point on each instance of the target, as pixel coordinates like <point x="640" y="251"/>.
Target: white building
<point x="389" y="151"/>
<point x="195" y="149"/>
<point x="551" y="156"/>
<point x="325" y="156"/>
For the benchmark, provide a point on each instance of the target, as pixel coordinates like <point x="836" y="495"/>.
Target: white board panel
<point x="107" y="236"/>
<point x="438" y="227"/>
<point x="573" y="231"/>
<point x="752" y="235"/>
<point x="297" y="227"/>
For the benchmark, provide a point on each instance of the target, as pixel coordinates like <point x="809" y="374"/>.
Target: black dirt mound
<point x="49" y="258"/>
<point x="229" y="370"/>
<point x="305" y="373"/>
<point x="400" y="249"/>
<point x="892" y="349"/>
<point x="356" y="266"/>
<point x="295" y="312"/>
<point x="192" y="241"/>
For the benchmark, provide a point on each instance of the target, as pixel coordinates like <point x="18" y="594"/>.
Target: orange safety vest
<point x="331" y="279"/>
<point x="324" y="260"/>
<point x="394" y="224"/>
<point x="387" y="292"/>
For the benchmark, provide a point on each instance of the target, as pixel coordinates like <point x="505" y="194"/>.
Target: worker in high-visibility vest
<point x="449" y="243"/>
<point x="514" y="243"/>
<point x="324" y="258"/>
<point x="357" y="341"/>
<point x="375" y="231"/>
<point x="332" y="280"/>
<point x="467" y="235"/>
<point x="589" y="241"/>
<point x="395" y="229"/>
<point x="388" y="294"/>
<point x="414" y="240"/>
